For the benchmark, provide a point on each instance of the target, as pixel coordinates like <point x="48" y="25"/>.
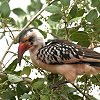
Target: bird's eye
<point x="31" y="30"/>
<point x="31" y="39"/>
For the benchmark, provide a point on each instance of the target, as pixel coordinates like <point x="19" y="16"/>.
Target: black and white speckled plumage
<point x="57" y="52"/>
<point x="60" y="52"/>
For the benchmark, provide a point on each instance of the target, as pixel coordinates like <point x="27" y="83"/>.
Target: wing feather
<point x="62" y="51"/>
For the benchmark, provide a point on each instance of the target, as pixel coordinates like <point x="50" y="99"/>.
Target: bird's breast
<point x="40" y="64"/>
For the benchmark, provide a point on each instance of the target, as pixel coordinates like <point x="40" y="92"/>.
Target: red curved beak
<point x="21" y="50"/>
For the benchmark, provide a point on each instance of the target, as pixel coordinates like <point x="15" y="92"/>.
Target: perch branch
<point x="81" y="92"/>
<point x="64" y="82"/>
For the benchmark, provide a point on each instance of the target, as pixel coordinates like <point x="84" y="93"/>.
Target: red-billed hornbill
<point x="58" y="56"/>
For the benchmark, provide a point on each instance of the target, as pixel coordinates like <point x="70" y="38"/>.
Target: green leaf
<point x="53" y="9"/>
<point x="43" y="33"/>
<point x="19" y="12"/>
<point x="83" y="78"/>
<point x="22" y="89"/>
<point x="80" y="12"/>
<point x="94" y="80"/>
<point x="14" y="78"/>
<point x="52" y="23"/>
<point x="12" y="21"/>
<point x="26" y="71"/>
<point x="12" y="66"/>
<point x="98" y="7"/>
<point x="1" y="1"/>
<point x="24" y="22"/>
<point x="96" y="22"/>
<point x="96" y="25"/>
<point x="37" y="23"/>
<point x="25" y="96"/>
<point x="65" y="2"/>
<point x="38" y="83"/>
<point x="69" y="89"/>
<point x="4" y="1"/>
<point x="75" y="19"/>
<point x="5" y="10"/>
<point x="95" y="3"/>
<point x="73" y="11"/>
<point x="81" y="37"/>
<point x="91" y="15"/>
<point x="56" y="17"/>
<point x="8" y="94"/>
<point x="35" y="6"/>
<point x="44" y="97"/>
<point x="75" y="97"/>
<point x="59" y="32"/>
<point x="92" y="98"/>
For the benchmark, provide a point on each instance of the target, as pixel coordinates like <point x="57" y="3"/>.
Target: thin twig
<point x="9" y="60"/>
<point x="66" y="13"/>
<point x="85" y="86"/>
<point x="1" y="63"/>
<point x="11" y="30"/>
<point x="59" y="83"/>
<point x="27" y="79"/>
<point x="12" y="36"/>
<point x="81" y="91"/>
<point x="64" y="82"/>
<point x="33" y="18"/>
<point x="23" y="57"/>
<point x="96" y="78"/>
<point x="2" y="74"/>
<point x="66" y="25"/>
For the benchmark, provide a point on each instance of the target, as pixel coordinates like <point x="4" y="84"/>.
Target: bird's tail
<point x="90" y="56"/>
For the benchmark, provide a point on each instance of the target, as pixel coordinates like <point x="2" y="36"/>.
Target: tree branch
<point x="64" y="82"/>
<point x="85" y="86"/>
<point x="96" y="78"/>
<point x="81" y="91"/>
<point x="33" y="18"/>
<point x="14" y="30"/>
<point x="28" y="80"/>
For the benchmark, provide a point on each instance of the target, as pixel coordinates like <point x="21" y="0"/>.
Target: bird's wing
<point x="62" y="51"/>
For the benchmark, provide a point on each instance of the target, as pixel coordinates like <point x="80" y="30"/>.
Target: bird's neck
<point x="34" y="49"/>
<point x="33" y="53"/>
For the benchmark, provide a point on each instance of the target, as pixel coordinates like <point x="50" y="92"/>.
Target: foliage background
<point x="73" y="20"/>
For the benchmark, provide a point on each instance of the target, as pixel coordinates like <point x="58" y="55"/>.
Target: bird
<point x="58" y="56"/>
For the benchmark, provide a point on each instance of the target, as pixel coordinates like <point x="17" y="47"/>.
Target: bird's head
<point x="29" y="39"/>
